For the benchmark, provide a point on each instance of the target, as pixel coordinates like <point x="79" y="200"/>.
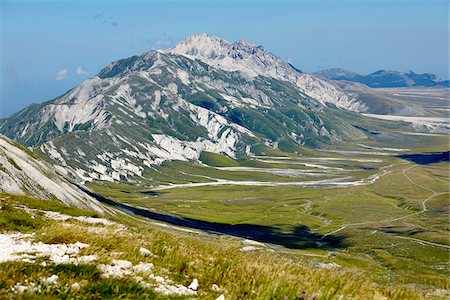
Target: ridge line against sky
<point x="48" y="47"/>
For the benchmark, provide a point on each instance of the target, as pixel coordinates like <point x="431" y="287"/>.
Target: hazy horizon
<point x="49" y="47"/>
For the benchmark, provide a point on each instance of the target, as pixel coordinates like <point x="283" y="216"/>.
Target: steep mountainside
<point x="206" y="94"/>
<point x="22" y="173"/>
<point x="383" y="78"/>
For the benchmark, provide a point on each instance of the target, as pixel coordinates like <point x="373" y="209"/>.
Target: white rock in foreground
<point x="87" y="259"/>
<point x="76" y="286"/>
<point x="18" y="247"/>
<point x="215" y="288"/>
<point x="174" y="290"/>
<point x="54" y="215"/>
<point x="249" y="248"/>
<point x="143" y="267"/>
<point x="145" y="252"/>
<point x="194" y="285"/>
<point x="118" y="268"/>
<point x="252" y="242"/>
<point x="51" y="280"/>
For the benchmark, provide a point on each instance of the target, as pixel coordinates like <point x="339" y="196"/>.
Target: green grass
<point x="13" y="163"/>
<point x="372" y="246"/>
<point x="44" y="204"/>
<point x="182" y="257"/>
<point x="217" y="160"/>
<point x="93" y="286"/>
<point x="12" y="219"/>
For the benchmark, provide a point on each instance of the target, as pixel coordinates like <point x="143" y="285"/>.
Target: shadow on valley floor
<point x="400" y="230"/>
<point x="427" y="158"/>
<point x="301" y="237"/>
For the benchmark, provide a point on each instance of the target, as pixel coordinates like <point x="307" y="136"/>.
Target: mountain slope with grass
<point x="23" y="173"/>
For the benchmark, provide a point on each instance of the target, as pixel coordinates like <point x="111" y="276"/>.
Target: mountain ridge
<point x="385" y="78"/>
<point x="254" y="60"/>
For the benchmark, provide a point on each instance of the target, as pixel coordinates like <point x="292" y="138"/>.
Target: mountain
<point x="378" y="102"/>
<point x="337" y="74"/>
<point x="383" y="78"/>
<point x="23" y="173"/>
<point x="252" y="61"/>
<point x="205" y="94"/>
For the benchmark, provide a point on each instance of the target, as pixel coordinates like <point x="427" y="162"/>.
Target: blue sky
<point x="48" y="47"/>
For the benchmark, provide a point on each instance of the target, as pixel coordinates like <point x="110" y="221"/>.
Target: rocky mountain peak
<point x="211" y="47"/>
<point x="252" y="61"/>
<point x="202" y="45"/>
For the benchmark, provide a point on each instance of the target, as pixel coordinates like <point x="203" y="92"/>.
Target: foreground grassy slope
<point x="177" y="255"/>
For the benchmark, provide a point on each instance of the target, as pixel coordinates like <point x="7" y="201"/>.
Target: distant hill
<point x="337" y="74"/>
<point x="383" y="78"/>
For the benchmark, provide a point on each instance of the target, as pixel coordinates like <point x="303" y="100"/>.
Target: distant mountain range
<point x="383" y="78"/>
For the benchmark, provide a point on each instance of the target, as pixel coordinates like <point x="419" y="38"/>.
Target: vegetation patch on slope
<point x="217" y="160"/>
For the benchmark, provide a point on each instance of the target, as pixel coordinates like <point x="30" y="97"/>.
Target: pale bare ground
<point x="440" y="93"/>
<point x="334" y="182"/>
<point x="431" y="120"/>
<point x="436" y="100"/>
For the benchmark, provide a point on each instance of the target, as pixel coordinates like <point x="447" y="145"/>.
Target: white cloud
<point x="162" y="42"/>
<point x="61" y="74"/>
<point x="81" y="71"/>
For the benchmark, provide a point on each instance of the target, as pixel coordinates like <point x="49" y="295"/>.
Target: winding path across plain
<point x="389" y="220"/>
